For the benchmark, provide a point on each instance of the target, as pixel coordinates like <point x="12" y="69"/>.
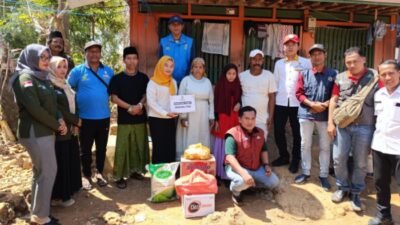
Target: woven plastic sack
<point x="162" y="181"/>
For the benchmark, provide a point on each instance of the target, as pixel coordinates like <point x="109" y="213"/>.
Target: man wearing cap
<point x="313" y="90"/>
<point x="128" y="91"/>
<point x="56" y="45"/>
<point x="178" y="46"/>
<point x="90" y="81"/>
<point x="286" y="73"/>
<point x="259" y="87"/>
<point x="356" y="138"/>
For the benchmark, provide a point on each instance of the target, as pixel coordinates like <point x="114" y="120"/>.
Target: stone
<point x="112" y="218"/>
<point x="7" y="213"/>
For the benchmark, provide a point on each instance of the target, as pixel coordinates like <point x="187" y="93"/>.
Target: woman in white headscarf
<point x="39" y="120"/>
<point x="68" y="179"/>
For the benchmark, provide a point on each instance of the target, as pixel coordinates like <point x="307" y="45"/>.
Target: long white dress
<point x="198" y="130"/>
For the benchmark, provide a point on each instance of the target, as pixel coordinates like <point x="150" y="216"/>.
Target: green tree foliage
<point x="109" y="21"/>
<point x="21" y="25"/>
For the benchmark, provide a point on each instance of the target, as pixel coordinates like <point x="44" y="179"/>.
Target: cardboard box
<point x="207" y="166"/>
<point x="198" y="205"/>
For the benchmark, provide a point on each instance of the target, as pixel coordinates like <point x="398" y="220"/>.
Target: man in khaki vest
<point x="356" y="137"/>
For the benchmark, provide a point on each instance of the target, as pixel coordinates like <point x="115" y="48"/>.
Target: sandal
<point x="121" y="183"/>
<point x="137" y="176"/>
<point x="99" y="180"/>
<point x="86" y="184"/>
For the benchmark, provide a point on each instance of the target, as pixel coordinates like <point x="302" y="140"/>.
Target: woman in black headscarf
<point x="38" y="122"/>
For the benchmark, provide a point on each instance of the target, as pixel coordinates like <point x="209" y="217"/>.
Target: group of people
<point x="62" y="114"/>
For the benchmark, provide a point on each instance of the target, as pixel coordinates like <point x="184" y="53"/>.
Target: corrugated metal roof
<point x="368" y="2"/>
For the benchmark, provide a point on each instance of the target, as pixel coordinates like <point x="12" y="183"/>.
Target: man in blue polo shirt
<point x="178" y="46"/>
<point x="90" y="81"/>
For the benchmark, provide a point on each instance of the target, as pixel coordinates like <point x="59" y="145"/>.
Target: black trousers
<point x="281" y="115"/>
<point x="384" y="165"/>
<point x="93" y="131"/>
<point x="163" y="134"/>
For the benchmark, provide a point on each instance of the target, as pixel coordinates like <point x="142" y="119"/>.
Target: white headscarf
<point x="61" y="82"/>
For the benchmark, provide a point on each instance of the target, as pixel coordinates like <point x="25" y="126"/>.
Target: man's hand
<point x="136" y="109"/>
<point x="331" y="129"/>
<point x="249" y="180"/>
<point x="269" y="123"/>
<point x="317" y="107"/>
<point x="236" y="107"/>
<point x="268" y="170"/>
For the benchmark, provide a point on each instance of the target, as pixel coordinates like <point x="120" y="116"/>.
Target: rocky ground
<point x="292" y="204"/>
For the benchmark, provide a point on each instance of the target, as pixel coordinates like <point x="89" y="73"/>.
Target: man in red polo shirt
<point x="356" y="137"/>
<point x="246" y="156"/>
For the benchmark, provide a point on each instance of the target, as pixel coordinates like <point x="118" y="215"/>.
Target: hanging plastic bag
<point x="197" y="151"/>
<point x="195" y="183"/>
<point x="162" y="181"/>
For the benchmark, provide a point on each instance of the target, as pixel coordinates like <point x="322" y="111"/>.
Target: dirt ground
<point x="293" y="204"/>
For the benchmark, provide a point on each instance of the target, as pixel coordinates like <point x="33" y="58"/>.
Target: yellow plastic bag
<point x="197" y="151"/>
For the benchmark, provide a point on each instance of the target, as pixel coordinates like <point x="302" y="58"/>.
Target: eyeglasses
<point x="45" y="58"/>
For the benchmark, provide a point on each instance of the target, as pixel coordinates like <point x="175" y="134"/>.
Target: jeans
<point x="384" y="164"/>
<point x="261" y="180"/>
<point x="356" y="139"/>
<point x="306" y="132"/>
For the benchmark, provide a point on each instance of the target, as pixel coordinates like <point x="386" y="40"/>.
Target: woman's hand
<point x="184" y="123"/>
<point x="216" y="126"/>
<point x="236" y="107"/>
<point x="172" y="115"/>
<point x="62" y="128"/>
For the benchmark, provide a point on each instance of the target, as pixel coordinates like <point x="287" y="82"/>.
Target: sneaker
<point x="338" y="196"/>
<point x="379" y="221"/>
<point x="86" y="184"/>
<point x="356" y="203"/>
<point x="280" y="162"/>
<point x="325" y="183"/>
<point x="99" y="179"/>
<point x="294" y="166"/>
<point x="301" y="179"/>
<point x="237" y="200"/>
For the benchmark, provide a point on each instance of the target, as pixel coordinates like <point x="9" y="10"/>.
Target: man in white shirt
<point x="259" y="87"/>
<point x="386" y="141"/>
<point x="286" y="73"/>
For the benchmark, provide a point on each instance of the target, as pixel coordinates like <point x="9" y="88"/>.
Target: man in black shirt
<point x="128" y="91"/>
